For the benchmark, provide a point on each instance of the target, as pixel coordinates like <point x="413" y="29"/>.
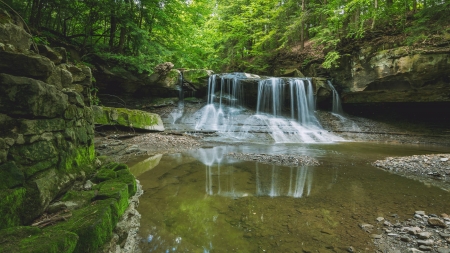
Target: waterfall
<point x="285" y="110"/>
<point x="337" y="107"/>
<point x="178" y="112"/>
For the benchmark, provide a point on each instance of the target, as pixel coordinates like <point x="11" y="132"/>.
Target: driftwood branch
<point x="51" y="220"/>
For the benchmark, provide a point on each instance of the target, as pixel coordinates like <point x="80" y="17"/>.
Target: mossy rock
<point x="115" y="190"/>
<point x="10" y="176"/>
<point x="77" y="199"/>
<point x="35" y="240"/>
<point x="127" y="118"/>
<point x="12" y="204"/>
<point x="123" y="174"/>
<point x="93" y="225"/>
<point x="103" y="175"/>
<point x="197" y="77"/>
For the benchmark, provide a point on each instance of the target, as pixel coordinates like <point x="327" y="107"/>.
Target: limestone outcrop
<point x="47" y="126"/>
<point x="400" y="74"/>
<point x="108" y="116"/>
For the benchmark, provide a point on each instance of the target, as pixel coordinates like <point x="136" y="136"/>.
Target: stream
<point x="207" y="201"/>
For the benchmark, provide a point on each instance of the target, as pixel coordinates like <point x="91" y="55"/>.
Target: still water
<point x="204" y="201"/>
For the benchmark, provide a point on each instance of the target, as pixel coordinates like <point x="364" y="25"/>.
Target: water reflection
<point x="269" y="180"/>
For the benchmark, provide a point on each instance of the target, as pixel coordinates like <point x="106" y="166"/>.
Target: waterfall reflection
<point x="254" y="179"/>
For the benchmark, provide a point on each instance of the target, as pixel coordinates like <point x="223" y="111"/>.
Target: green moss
<point x="115" y="190"/>
<point x="10" y="176"/>
<point x="76" y="159"/>
<point x="34" y="240"/>
<point x="33" y="153"/>
<point x="12" y="203"/>
<point x="127" y="118"/>
<point x="121" y="167"/>
<point x="103" y="175"/>
<point x="93" y="225"/>
<point x="129" y="180"/>
<point x="80" y="198"/>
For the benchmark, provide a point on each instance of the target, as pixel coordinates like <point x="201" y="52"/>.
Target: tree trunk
<point x="123" y="32"/>
<point x="302" y="27"/>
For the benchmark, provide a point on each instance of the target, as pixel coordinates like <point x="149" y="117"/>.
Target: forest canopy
<point x="233" y="35"/>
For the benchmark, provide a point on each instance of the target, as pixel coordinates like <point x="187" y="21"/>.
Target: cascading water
<point x="337" y="107"/>
<point x="178" y="112"/>
<point x="285" y="110"/>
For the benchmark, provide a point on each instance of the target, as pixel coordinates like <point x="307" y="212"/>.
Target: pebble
<point x="380" y="219"/>
<point x="420" y="212"/>
<point x="425" y="248"/>
<point x="424" y="235"/>
<point x="428" y="242"/>
<point x="405" y="239"/>
<point x="413" y="250"/>
<point x="444" y="159"/>
<point x="443" y="250"/>
<point x="375" y="236"/>
<point x="393" y="234"/>
<point x="437" y="222"/>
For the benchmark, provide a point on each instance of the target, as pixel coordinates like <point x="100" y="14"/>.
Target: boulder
<point x="26" y="64"/>
<point x="198" y="78"/>
<point x="13" y="34"/>
<point x="127" y="118"/>
<point x="169" y="80"/>
<point x="60" y="77"/>
<point x="48" y="52"/>
<point x="29" y="97"/>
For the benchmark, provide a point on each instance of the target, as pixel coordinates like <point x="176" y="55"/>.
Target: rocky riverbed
<point x="286" y="160"/>
<point x="421" y="233"/>
<point x="431" y="169"/>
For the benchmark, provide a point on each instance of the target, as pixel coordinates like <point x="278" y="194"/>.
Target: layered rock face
<point x="395" y="75"/>
<point x="47" y="125"/>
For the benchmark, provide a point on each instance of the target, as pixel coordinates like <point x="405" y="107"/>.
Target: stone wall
<point x="47" y="131"/>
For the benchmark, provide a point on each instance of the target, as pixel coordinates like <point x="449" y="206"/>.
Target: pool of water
<point x="204" y="201"/>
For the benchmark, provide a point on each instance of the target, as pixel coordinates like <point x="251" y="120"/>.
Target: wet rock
<point x="350" y="249"/>
<point x="420" y="212"/>
<point x="412" y="230"/>
<point x="425" y="242"/>
<point x="437" y="222"/>
<point x="405" y="239"/>
<point x="425" y="248"/>
<point x="443" y="250"/>
<point x="424" y="235"/>
<point x="380" y="219"/>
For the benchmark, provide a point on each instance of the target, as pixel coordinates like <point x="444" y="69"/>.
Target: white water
<point x="226" y="114"/>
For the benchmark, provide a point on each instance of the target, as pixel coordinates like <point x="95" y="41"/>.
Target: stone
<point x="424" y="235"/>
<point x="375" y="236"/>
<point x="26" y="64"/>
<point x="198" y="78"/>
<point x="75" y="98"/>
<point x="443" y="250"/>
<point x="10" y="176"/>
<point x="88" y="185"/>
<point x="12" y="204"/>
<point x="413" y="250"/>
<point x="25" y="96"/>
<point x="127" y="118"/>
<point x="444" y="159"/>
<point x="77" y="73"/>
<point x="380" y="219"/>
<point x="15" y="35"/>
<point x="405" y="239"/>
<point x="425" y="248"/>
<point x="60" y="77"/>
<point x="436" y="222"/>
<point x="62" y="52"/>
<point x="163" y="68"/>
<point x="428" y="242"/>
<point x="93" y="224"/>
<point x="167" y="81"/>
<point x="412" y="230"/>
<point x="40" y="126"/>
<point x="32" y="239"/>
<point x="48" y="52"/>
<point x="444" y="235"/>
<point x="420" y="212"/>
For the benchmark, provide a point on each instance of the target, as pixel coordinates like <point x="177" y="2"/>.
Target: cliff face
<point x="47" y="131"/>
<point x="400" y="74"/>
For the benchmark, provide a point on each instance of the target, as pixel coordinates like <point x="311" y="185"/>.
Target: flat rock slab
<point x="127" y="118"/>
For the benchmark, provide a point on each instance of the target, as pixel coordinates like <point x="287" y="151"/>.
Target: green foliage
<point x="331" y="60"/>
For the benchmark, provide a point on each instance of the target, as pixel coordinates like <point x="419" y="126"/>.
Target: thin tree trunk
<point x="302" y="27"/>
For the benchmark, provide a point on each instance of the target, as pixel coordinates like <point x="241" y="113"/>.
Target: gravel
<point x="416" y="234"/>
<point x="431" y="169"/>
<point x="287" y="160"/>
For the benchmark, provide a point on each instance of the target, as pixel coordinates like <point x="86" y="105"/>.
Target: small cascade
<point x="337" y="107"/>
<point x="285" y="110"/>
<point x="177" y="113"/>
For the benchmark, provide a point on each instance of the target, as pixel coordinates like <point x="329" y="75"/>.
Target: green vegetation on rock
<point x="12" y="204"/>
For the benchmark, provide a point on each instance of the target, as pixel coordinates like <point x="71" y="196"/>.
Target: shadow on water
<point x="205" y="201"/>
